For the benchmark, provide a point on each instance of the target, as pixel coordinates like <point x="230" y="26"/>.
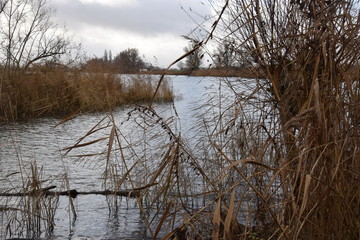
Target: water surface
<point x="40" y="141"/>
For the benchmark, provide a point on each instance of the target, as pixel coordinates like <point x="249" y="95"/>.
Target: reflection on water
<point x="38" y="140"/>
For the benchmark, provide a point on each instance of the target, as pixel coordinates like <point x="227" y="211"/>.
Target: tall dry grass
<point x="30" y="214"/>
<point x="58" y="92"/>
<point x="300" y="136"/>
<point x="306" y="49"/>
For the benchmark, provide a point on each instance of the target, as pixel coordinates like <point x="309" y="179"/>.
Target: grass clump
<point x="31" y="214"/>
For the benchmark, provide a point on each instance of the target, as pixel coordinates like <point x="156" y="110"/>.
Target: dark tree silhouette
<point x="129" y="61"/>
<point x="193" y="61"/>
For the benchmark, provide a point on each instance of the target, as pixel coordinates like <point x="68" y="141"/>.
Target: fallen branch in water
<point x="74" y="193"/>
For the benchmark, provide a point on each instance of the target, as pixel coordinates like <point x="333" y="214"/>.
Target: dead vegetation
<point x="59" y="92"/>
<point x="275" y="157"/>
<point x="31" y="215"/>
<point x="281" y="155"/>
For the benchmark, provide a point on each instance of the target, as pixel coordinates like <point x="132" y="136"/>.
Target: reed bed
<point x="58" y="92"/>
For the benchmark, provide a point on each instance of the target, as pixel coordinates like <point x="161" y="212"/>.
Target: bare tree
<point x="29" y="34"/>
<point x="2" y="5"/>
<point x="194" y="60"/>
<point x="129" y="61"/>
<point x="225" y="54"/>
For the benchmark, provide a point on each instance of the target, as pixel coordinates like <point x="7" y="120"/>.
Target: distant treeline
<point x="213" y="72"/>
<point x="127" y="61"/>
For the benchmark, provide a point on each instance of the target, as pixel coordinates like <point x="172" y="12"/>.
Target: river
<point x="39" y="141"/>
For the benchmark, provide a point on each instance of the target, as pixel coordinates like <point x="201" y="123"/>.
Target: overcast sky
<point x="152" y="26"/>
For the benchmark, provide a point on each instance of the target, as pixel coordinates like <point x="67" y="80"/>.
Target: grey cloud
<point x="148" y="18"/>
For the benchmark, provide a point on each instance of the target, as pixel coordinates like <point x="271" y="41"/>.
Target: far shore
<point x="213" y="72"/>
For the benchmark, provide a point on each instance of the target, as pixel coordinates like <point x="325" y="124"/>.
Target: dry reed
<point x="58" y="92"/>
<point x="32" y="215"/>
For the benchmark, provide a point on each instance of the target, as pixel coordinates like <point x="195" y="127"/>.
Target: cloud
<point x="160" y="49"/>
<point x="145" y="17"/>
<point x="153" y="26"/>
<point x="111" y="3"/>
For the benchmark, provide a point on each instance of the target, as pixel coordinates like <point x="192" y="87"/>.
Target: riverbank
<point x="241" y="72"/>
<point x="207" y="72"/>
